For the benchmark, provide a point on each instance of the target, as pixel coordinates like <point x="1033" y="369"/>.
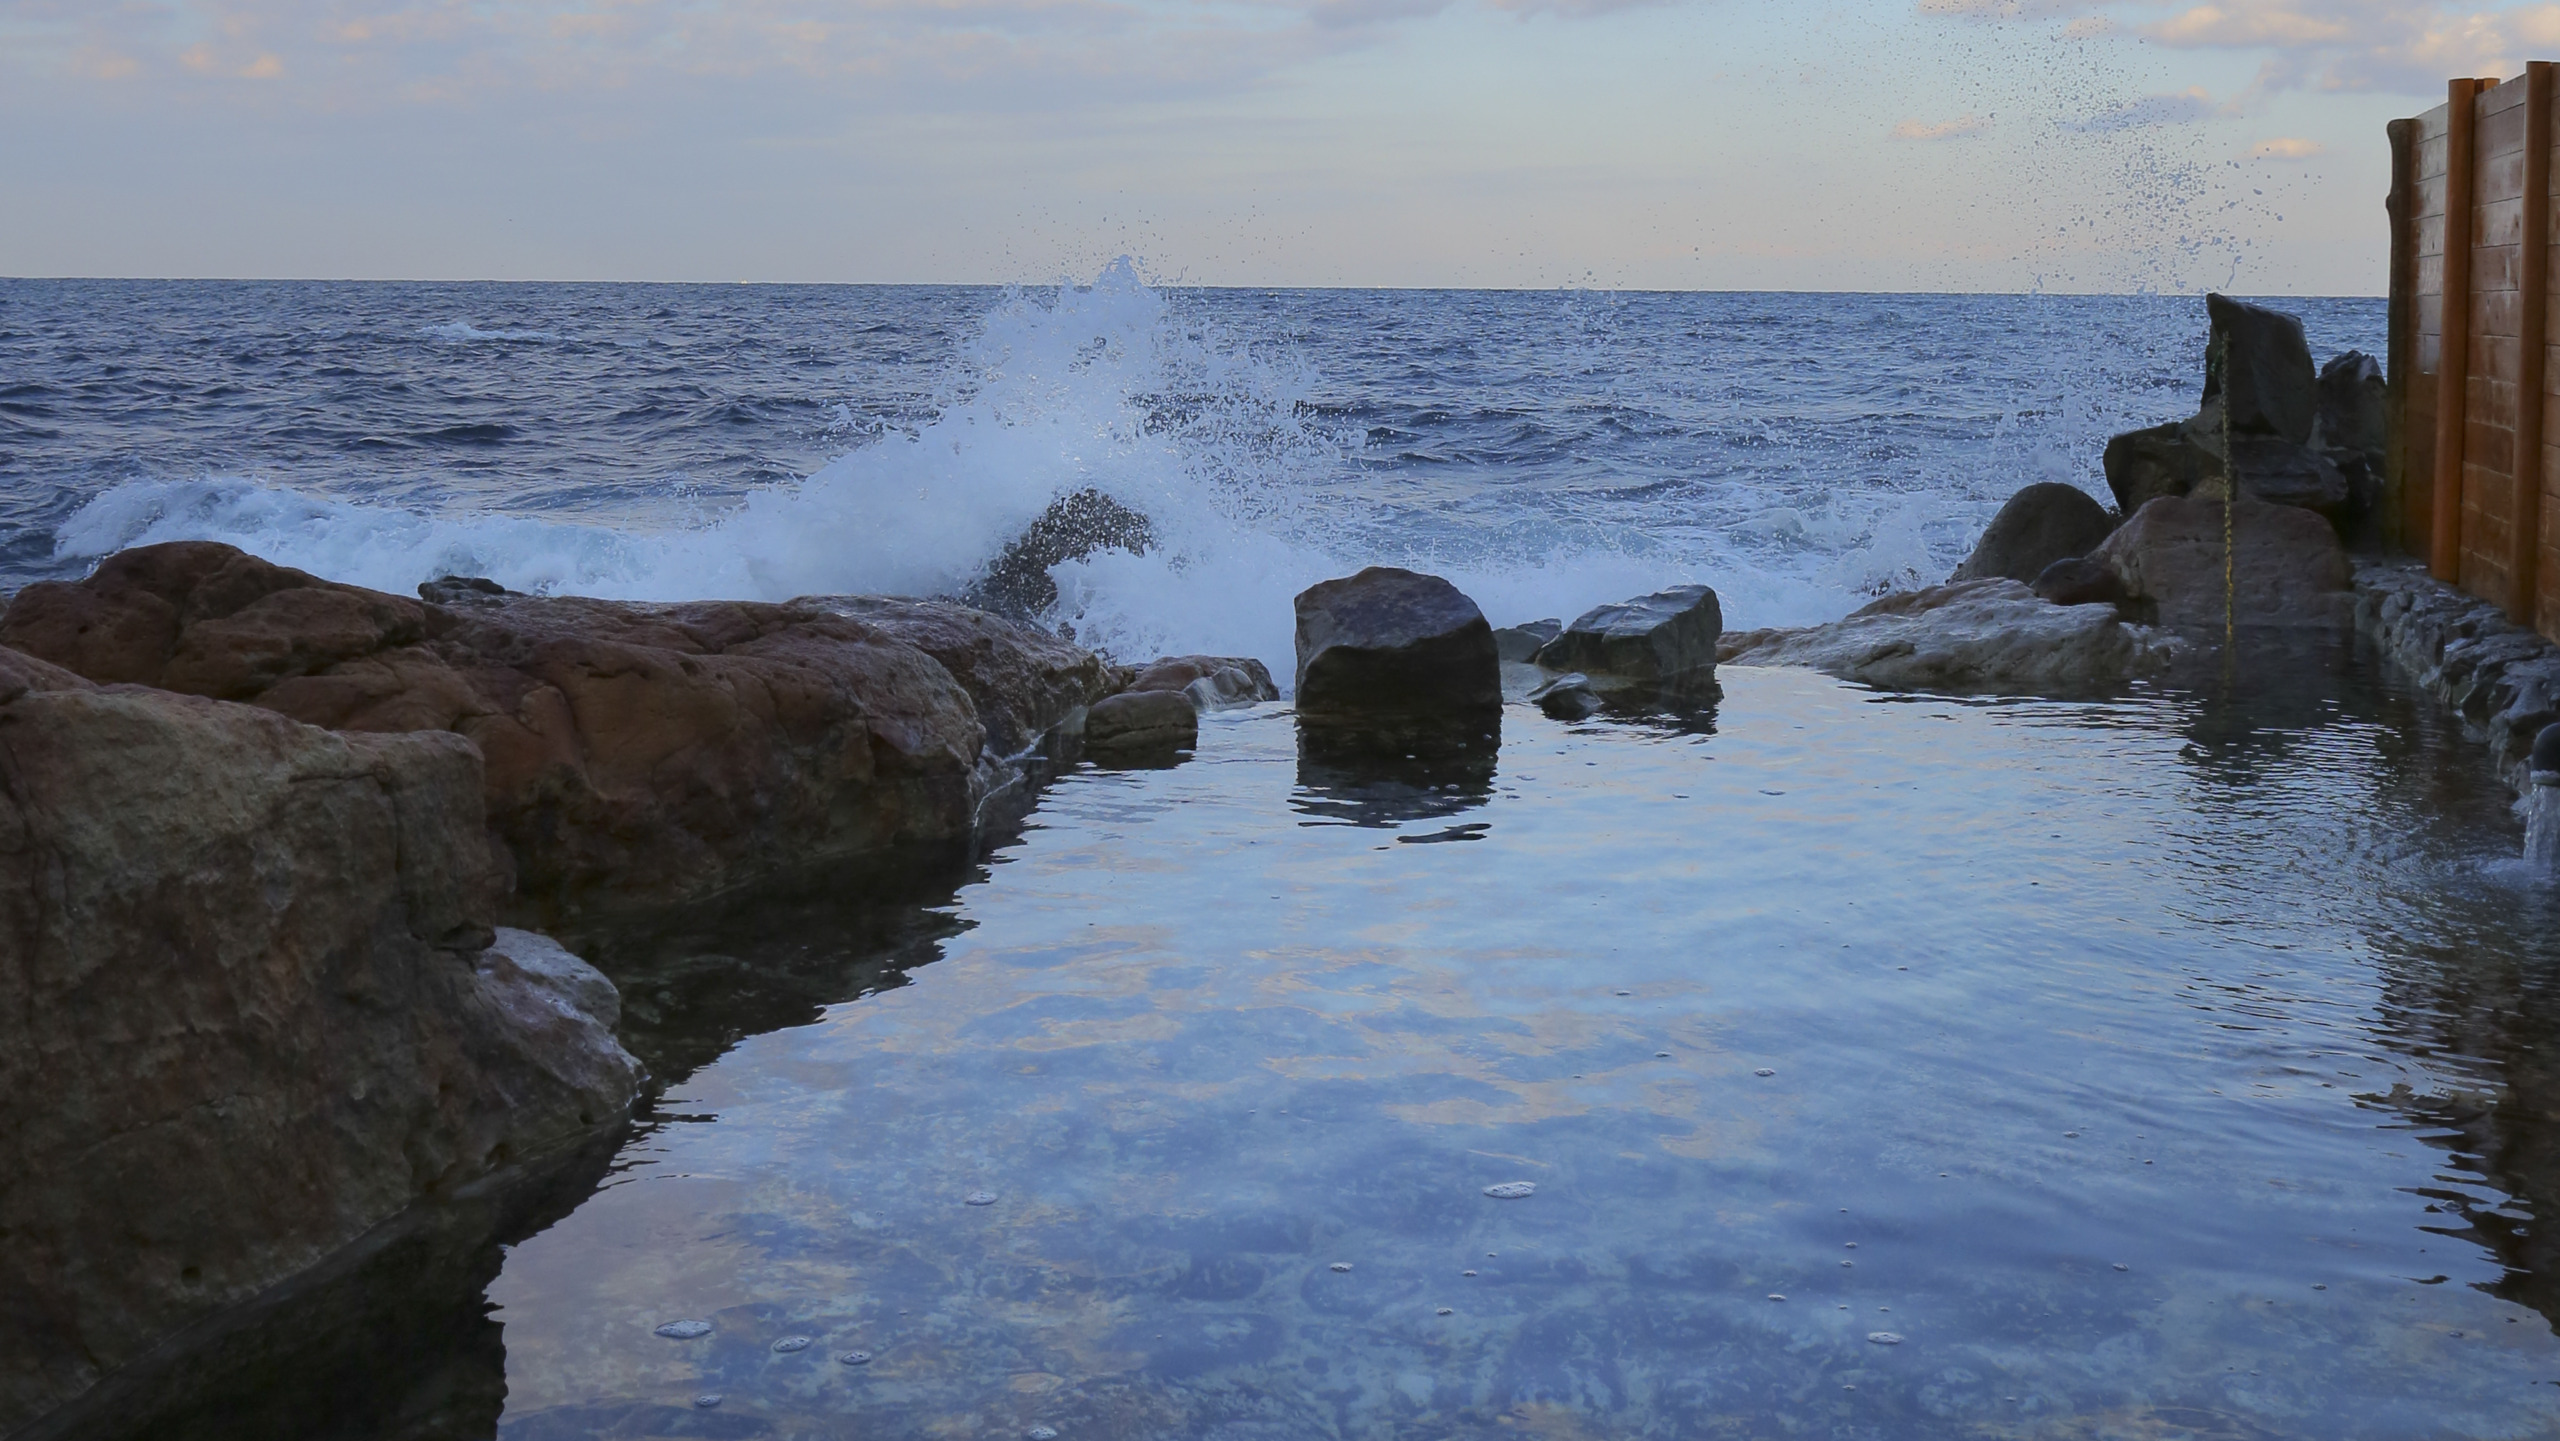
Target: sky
<point x="2007" y="145"/>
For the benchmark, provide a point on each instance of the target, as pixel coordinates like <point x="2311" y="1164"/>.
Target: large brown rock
<point x="252" y="1003"/>
<point x="2287" y="567"/>
<point x="1991" y="635"/>
<point x="1214" y="682"/>
<point x="636" y="755"/>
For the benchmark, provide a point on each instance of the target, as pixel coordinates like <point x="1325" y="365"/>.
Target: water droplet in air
<point x="2071" y="1135"/>
<point x="1512" y="1191"/>
<point x="1885" y="1338"/>
<point x="789" y="1344"/>
<point x="1764" y="1071"/>
<point x="709" y="1399"/>
<point x="1466" y="1273"/>
<point x="1852" y="1245"/>
<point x="979" y="1198"/>
<point x="1041" y="1433"/>
<point x="2318" y="1287"/>
<point x="684" y="1330"/>
<point x="1341" y="1265"/>
<point x="1662" y="1055"/>
<point x="1774" y="1296"/>
<point x="2121" y="1266"/>
<point x="1443" y="1311"/>
<point x="1626" y="993"/>
<point x="855" y="1358"/>
<point x="1848" y="1263"/>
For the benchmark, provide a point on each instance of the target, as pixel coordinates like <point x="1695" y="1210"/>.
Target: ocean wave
<point x="464" y="330"/>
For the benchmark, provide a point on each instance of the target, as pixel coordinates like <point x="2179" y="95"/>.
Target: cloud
<point x="1957" y="129"/>
<point x="2286" y="147"/>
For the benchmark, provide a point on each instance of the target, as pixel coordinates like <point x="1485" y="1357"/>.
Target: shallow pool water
<point x="1881" y="1066"/>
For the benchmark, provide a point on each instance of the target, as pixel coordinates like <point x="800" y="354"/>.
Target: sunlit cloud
<point x="1959" y="128"/>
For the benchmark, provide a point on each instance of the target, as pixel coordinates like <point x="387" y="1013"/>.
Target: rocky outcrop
<point x="1017" y="584"/>
<point x="1663" y="645"/>
<point x="1518" y="644"/>
<point x="2258" y="371"/>
<point x="2502" y="679"/>
<point x="1214" y="682"/>
<point x="1397" y="655"/>
<point x="1978" y="635"/>
<point x="636" y="755"/>
<point x="2286" y="567"/>
<point x="1141" y="723"/>
<point x="2041" y="524"/>
<point x="253" y="1004"/>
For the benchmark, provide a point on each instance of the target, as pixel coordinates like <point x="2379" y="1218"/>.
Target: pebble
<point x="1342" y="1265"/>
<point x="1764" y="1071"/>
<point x="1512" y="1190"/>
<point x="1041" y="1433"/>
<point x="855" y="1358"/>
<point x="790" y="1344"/>
<point x="684" y="1330"/>
<point x="979" y="1198"/>
<point x="709" y="1399"/>
<point x="1885" y="1338"/>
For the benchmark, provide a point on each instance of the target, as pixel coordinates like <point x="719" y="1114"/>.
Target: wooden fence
<point x="2475" y="474"/>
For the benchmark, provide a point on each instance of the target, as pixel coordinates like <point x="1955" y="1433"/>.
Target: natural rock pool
<point x="2166" y="1066"/>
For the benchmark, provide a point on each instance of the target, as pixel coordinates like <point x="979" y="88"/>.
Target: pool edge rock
<point x="2500" y="678"/>
<point x="250" y="968"/>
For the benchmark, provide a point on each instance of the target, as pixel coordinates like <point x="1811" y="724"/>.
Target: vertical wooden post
<point x="2453" y="363"/>
<point x="2400" y="528"/>
<point x="2533" y="258"/>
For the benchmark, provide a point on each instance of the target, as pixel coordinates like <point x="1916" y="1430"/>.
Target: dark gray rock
<point x="1519" y="643"/>
<point x="2258" y="370"/>
<point x="2041" y="524"/>
<point x="1395" y="650"/>
<point x="460" y="590"/>
<point x="2172" y="459"/>
<point x="2280" y="472"/>
<point x="2353" y="415"/>
<point x="1214" y="682"/>
<point x="1017" y="583"/>
<point x="2080" y="581"/>
<point x="1665" y="642"/>
<point x="1567" y="697"/>
<point x="1141" y="720"/>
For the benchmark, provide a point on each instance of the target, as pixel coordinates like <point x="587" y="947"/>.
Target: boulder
<point x="2280" y="472"/>
<point x="1017" y="584"/>
<point x="2041" y="524"/>
<point x="1395" y="652"/>
<point x="2258" y="370"/>
<point x="2287" y="569"/>
<point x="2081" y="581"/>
<point x="254" y="1008"/>
<point x="1214" y="682"/>
<point x="1663" y="643"/>
<point x="1975" y="635"/>
<point x="1518" y="644"/>
<point x="1567" y="697"/>
<point x="2172" y="459"/>
<point x="1141" y="721"/>
<point x="2354" y="414"/>
<point x="637" y="756"/>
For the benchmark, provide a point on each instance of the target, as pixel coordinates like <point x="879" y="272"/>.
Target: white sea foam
<point x="1115" y="387"/>
<point x="465" y="330"/>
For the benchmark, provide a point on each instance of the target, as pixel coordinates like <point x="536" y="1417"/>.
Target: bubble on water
<point x="789" y="1344"/>
<point x="1885" y="1338"/>
<point x="979" y="1198"/>
<point x="1341" y="1266"/>
<point x="1764" y="1071"/>
<point x="1512" y="1191"/>
<point x="1443" y="1311"/>
<point x="855" y="1358"/>
<point x="709" y="1399"/>
<point x="1041" y="1433"/>
<point x="684" y="1330"/>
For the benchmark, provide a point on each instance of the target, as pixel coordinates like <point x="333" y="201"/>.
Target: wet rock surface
<point x="1663" y="643"/>
<point x="2258" y="370"/>
<point x="2500" y="678"/>
<point x="2042" y="524"/>
<point x="1397" y="655"/>
<point x="251" y="967"/>
<point x="637" y="756"/>
<point x="1214" y="682"/>
<point x="2285" y="565"/>
<point x="1518" y="644"/>
<point x="2080" y="581"/>
<point x="1141" y="722"/>
<point x="1979" y="635"/>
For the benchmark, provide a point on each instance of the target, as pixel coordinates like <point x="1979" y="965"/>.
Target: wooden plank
<point x="2427" y="232"/>
<point x="2399" y="353"/>
<point x="2495" y="313"/>
<point x="2496" y="223"/>
<point x="2532" y="401"/>
<point x="2444" y="559"/>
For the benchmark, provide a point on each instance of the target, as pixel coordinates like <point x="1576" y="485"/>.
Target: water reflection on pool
<point x="2162" y="1067"/>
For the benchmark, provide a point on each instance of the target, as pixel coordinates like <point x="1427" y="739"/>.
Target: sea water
<point x="2166" y="1065"/>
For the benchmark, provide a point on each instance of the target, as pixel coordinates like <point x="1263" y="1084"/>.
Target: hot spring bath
<point x="2166" y="1066"/>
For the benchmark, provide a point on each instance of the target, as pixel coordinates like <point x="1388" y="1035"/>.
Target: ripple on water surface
<point x="2108" y="1035"/>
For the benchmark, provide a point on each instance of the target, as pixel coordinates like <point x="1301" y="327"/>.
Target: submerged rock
<point x="637" y="756"/>
<point x="1141" y="723"/>
<point x="1214" y="682"/>
<point x="2040" y="525"/>
<point x="1017" y="584"/>
<point x="1976" y="635"/>
<point x="1517" y="644"/>
<point x="2287" y="567"/>
<point x="1396" y="654"/>
<point x="253" y="1009"/>
<point x="1567" y="697"/>
<point x="1663" y="643"/>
